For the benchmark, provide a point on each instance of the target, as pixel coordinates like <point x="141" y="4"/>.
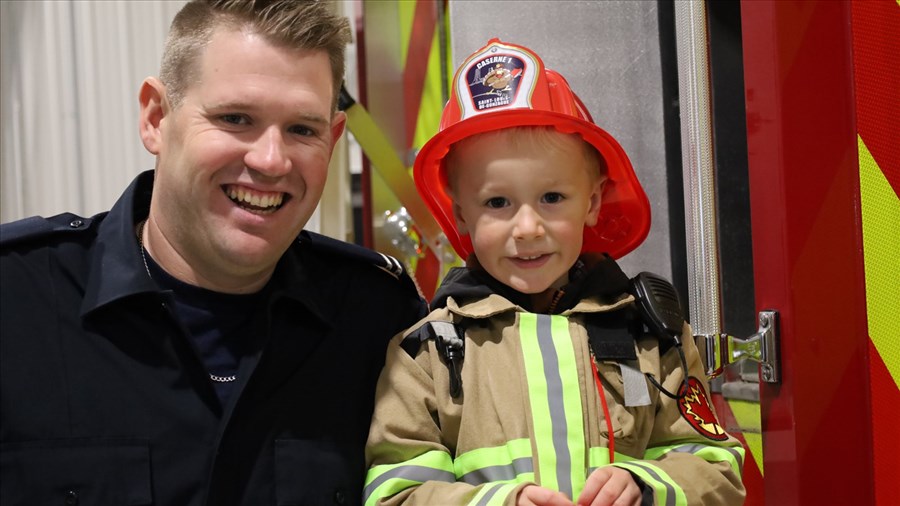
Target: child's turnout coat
<point x="530" y="411"/>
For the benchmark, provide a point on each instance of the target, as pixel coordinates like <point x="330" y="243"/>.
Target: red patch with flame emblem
<point x="694" y="405"/>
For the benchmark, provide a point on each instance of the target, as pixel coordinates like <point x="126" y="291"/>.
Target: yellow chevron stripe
<point x="881" y="244"/>
<point x="405" y="13"/>
<point x="432" y="103"/>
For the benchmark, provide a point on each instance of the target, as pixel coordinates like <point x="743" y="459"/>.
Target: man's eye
<point x="234" y="119"/>
<point x="496" y="202"/>
<point x="302" y="130"/>
<point x="553" y="198"/>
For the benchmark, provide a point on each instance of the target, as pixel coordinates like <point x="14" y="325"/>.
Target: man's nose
<point x="268" y="154"/>
<point x="528" y="224"/>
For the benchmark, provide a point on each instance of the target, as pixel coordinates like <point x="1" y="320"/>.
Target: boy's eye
<point x="553" y="198"/>
<point x="496" y="202"/>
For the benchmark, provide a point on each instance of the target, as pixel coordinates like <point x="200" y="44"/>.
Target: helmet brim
<point x="624" y="218"/>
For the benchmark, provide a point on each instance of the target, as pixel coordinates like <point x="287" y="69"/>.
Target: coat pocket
<point x="84" y="471"/>
<point x="312" y="473"/>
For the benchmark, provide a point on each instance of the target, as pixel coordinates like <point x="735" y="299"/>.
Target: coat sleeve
<point x="409" y="459"/>
<point x="690" y="459"/>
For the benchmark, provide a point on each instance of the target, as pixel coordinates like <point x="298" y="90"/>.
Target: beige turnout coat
<point x="530" y="411"/>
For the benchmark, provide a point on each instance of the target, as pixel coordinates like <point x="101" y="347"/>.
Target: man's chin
<point x="251" y="252"/>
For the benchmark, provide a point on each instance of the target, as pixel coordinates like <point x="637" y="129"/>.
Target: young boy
<point x="533" y="381"/>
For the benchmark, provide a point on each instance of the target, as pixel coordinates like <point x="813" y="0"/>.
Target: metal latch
<point x="723" y="349"/>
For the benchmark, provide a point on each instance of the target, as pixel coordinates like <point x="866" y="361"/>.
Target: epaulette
<point x="344" y="249"/>
<point x="38" y="227"/>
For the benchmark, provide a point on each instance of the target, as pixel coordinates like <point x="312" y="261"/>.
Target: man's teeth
<point x="239" y="195"/>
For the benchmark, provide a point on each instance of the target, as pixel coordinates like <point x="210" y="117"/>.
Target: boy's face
<point x="525" y="208"/>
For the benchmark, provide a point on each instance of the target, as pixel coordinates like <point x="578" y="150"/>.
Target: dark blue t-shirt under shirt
<point x="219" y="324"/>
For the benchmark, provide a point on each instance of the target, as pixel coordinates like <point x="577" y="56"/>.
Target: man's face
<point x="242" y="161"/>
<point x="525" y="209"/>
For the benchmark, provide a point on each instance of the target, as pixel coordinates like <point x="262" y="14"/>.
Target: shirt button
<point x="76" y="223"/>
<point x="71" y="498"/>
<point x="340" y="497"/>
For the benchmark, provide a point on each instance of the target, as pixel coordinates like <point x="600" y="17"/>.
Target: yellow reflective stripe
<point x="667" y="492"/>
<point x="734" y="455"/>
<point x="537" y="396"/>
<point x="387" y="479"/>
<point x="554" y="393"/>
<point x="493" y="495"/>
<point x="599" y="457"/>
<point x="481" y="458"/>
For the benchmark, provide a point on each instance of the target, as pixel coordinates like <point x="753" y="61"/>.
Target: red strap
<point x="612" y="443"/>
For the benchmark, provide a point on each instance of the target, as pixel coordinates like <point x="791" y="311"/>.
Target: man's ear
<point x="338" y="122"/>
<point x="461" y="226"/>
<point x="154" y="108"/>
<point x="596" y="199"/>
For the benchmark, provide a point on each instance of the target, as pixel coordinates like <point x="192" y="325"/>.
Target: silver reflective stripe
<point x="486" y="498"/>
<point x="418" y="474"/>
<point x="503" y="472"/>
<point x="693" y="449"/>
<point x="555" y="400"/>
<point x="444" y="329"/>
<point x="670" y="490"/>
<point x="636" y="392"/>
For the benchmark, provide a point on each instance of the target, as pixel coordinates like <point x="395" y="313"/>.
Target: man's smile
<point x="255" y="201"/>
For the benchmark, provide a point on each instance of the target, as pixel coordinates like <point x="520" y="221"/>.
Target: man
<point x="193" y="345"/>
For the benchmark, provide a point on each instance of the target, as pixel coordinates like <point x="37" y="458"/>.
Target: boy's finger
<point x="593" y="485"/>
<point x="540" y="496"/>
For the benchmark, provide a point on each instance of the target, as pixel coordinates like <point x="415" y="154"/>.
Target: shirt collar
<point x="117" y="268"/>
<point x="291" y="278"/>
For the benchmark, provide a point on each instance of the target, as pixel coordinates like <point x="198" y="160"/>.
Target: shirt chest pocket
<point x="82" y="472"/>
<point x="312" y="473"/>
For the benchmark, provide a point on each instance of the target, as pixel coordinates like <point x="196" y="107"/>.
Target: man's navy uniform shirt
<point x="104" y="400"/>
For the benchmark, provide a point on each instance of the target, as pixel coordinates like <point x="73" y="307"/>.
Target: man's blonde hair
<point x="292" y="24"/>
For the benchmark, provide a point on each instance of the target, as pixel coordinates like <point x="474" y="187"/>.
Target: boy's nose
<point x="268" y="154"/>
<point x="527" y="224"/>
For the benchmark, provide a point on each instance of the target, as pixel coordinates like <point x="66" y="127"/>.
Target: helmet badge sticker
<point x="694" y="406"/>
<point x="494" y="80"/>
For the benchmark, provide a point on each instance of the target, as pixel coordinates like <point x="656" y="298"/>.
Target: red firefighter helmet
<point x="503" y="85"/>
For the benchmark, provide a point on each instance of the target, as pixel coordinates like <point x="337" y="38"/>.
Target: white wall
<point x="70" y="76"/>
<point x="69" y="141"/>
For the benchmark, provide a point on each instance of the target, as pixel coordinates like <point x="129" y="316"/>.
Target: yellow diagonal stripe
<point x="378" y="149"/>
<point x="881" y="251"/>
<point x="747" y="416"/>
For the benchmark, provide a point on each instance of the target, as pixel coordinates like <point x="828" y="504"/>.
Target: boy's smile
<point x="525" y="205"/>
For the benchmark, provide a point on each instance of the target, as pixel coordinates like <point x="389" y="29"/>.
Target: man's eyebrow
<point x="250" y="106"/>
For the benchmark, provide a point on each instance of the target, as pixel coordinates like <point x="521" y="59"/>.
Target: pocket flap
<point x="76" y="471"/>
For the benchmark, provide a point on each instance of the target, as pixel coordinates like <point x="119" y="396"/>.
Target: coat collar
<point x="598" y="285"/>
